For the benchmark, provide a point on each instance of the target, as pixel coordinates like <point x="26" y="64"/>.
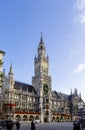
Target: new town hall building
<point x="36" y="101"/>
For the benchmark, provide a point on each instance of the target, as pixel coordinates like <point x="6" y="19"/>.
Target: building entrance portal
<point x="46" y="119"/>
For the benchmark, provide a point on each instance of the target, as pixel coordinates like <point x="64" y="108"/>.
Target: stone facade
<point x="36" y="101"/>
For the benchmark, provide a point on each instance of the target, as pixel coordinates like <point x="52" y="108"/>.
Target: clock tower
<point x="42" y="82"/>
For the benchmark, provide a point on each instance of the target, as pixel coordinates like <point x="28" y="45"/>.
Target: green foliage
<point x="1" y="62"/>
<point x="1" y="75"/>
<point x="45" y="89"/>
<point x="1" y="80"/>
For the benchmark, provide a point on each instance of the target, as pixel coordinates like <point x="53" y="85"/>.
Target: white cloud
<point x="79" y="68"/>
<point x="80" y="4"/>
<point x="80" y="17"/>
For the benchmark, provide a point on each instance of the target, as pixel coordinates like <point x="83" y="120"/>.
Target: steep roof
<point x="60" y="95"/>
<point x="25" y="87"/>
<point x="55" y="94"/>
<point x="63" y="96"/>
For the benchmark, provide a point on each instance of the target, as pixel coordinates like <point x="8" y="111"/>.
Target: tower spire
<point x="11" y="77"/>
<point x="41" y="40"/>
<point x="11" y="70"/>
<point x="41" y="49"/>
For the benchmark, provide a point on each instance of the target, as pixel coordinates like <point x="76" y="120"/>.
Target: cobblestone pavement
<point x="47" y="126"/>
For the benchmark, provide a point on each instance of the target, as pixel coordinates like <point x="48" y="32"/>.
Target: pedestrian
<point x="78" y="126"/>
<point x="75" y="126"/>
<point x="9" y="125"/>
<point x="17" y="125"/>
<point x="32" y="125"/>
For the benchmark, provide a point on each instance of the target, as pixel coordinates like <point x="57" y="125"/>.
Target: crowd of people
<point x="76" y="126"/>
<point x="79" y="124"/>
<point x="8" y="124"/>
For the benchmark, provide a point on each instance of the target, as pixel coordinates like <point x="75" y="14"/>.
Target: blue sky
<point x="63" y="26"/>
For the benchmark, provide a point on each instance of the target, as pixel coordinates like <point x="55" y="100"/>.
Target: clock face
<point x="44" y="65"/>
<point x="45" y="89"/>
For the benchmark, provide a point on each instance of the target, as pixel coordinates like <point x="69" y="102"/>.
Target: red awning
<point x="9" y="104"/>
